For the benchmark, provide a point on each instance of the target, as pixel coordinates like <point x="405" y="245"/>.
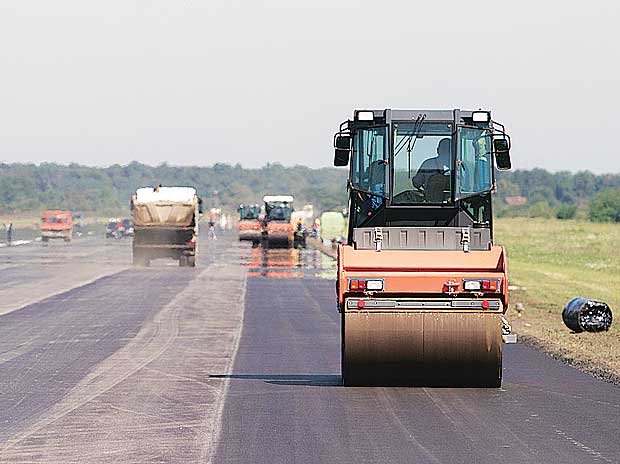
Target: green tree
<point x="540" y="209"/>
<point x="605" y="206"/>
<point x="565" y="211"/>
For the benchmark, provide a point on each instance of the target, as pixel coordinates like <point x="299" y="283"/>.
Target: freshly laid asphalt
<point x="238" y="361"/>
<point x="285" y="403"/>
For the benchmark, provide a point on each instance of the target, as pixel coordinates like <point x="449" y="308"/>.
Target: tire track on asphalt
<point x="147" y="346"/>
<point x="214" y="435"/>
<point x="154" y="398"/>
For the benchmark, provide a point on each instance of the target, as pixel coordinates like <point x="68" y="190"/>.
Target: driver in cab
<point x="440" y="164"/>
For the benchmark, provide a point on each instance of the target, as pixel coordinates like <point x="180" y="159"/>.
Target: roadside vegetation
<point x="552" y="261"/>
<point x="30" y="188"/>
<point x="106" y="191"/>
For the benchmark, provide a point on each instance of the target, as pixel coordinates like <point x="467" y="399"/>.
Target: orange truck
<point x="278" y="230"/>
<point x="249" y="226"/>
<point x="56" y="224"/>
<point x="422" y="287"/>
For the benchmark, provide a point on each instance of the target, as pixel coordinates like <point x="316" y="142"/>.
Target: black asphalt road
<point x="285" y="403"/>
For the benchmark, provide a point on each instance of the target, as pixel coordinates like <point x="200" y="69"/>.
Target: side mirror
<point x="502" y="154"/>
<point x="343" y="150"/>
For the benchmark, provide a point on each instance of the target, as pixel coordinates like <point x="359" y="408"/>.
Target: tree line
<point x="564" y="195"/>
<point x="30" y="187"/>
<point x="533" y="193"/>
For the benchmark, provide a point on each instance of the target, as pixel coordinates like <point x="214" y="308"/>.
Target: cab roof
<point x="278" y="199"/>
<point x="388" y="114"/>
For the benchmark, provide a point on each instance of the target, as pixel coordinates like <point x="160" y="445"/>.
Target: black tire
<point x="191" y="261"/>
<point x="182" y="261"/>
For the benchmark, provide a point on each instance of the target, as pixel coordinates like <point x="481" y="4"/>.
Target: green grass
<point x="552" y="261"/>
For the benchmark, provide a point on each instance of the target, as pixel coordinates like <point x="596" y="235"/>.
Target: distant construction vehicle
<point x="56" y="224"/>
<point x="165" y="223"/>
<point x="421" y="286"/>
<point x="333" y="227"/>
<point x="278" y="230"/>
<point x="249" y="226"/>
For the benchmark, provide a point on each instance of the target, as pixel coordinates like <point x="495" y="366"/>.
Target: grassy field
<point x="552" y="261"/>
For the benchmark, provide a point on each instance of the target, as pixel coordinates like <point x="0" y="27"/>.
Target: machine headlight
<point x="365" y="116"/>
<point x="472" y="285"/>
<point x="480" y="116"/>
<point x="374" y="285"/>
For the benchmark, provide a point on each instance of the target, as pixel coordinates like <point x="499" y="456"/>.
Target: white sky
<point x="205" y="81"/>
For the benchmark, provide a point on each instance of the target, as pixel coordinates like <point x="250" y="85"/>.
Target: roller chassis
<point x="250" y="230"/>
<point x="417" y="331"/>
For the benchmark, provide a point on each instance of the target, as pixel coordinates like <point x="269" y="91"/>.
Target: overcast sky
<point x="206" y="81"/>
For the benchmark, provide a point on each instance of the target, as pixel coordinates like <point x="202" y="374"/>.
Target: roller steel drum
<point x="421" y="348"/>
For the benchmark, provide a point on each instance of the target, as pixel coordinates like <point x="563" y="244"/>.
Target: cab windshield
<point x="248" y="213"/>
<point x="423" y="163"/>
<point x="278" y="211"/>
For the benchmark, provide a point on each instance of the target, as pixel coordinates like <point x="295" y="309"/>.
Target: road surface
<point x="237" y="361"/>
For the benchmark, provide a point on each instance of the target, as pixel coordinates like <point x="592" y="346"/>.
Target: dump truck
<point x="421" y="286"/>
<point x="249" y="226"/>
<point x="56" y="224"/>
<point x="165" y="224"/>
<point x="277" y="228"/>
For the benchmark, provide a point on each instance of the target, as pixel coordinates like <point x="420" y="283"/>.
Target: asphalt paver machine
<point x="422" y="288"/>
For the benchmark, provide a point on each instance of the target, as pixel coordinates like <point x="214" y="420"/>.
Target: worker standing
<point x="212" y="221"/>
<point x="9" y="233"/>
<point x="316" y="228"/>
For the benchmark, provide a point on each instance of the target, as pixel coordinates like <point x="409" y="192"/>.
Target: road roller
<point x="249" y="226"/>
<point x="421" y="286"/>
<point x="278" y="230"/>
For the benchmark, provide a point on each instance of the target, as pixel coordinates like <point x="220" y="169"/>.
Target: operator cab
<point x="278" y="208"/>
<point x="421" y="169"/>
<point x="249" y="212"/>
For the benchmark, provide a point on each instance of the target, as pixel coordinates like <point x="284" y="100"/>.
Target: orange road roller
<point x="249" y="226"/>
<point x="421" y="286"/>
<point x="278" y="230"/>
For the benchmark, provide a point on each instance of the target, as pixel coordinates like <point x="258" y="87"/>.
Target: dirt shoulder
<point x="542" y="327"/>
